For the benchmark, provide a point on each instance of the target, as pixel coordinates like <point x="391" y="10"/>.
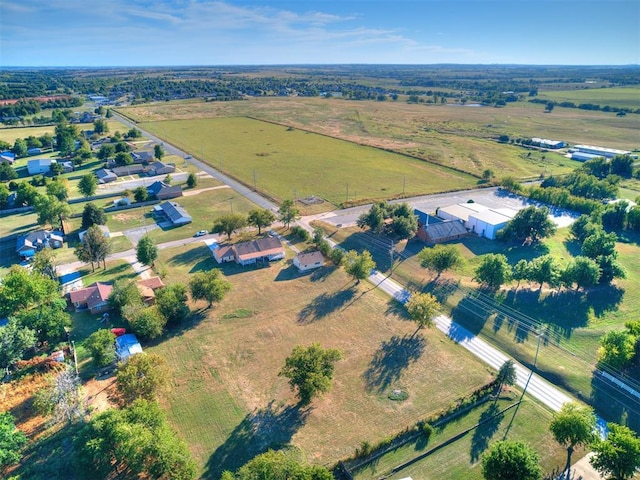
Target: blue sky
<point x="245" y="32"/>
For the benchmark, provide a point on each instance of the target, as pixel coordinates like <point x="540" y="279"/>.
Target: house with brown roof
<point x="308" y="261"/>
<point x="148" y="287"/>
<point x="94" y="298"/>
<point x="266" y="249"/>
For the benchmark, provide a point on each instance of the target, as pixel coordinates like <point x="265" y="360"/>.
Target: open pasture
<point x="628" y="97"/>
<point x="286" y="162"/>
<point x="10" y="134"/>
<point x="463" y="137"/>
<point x="227" y="412"/>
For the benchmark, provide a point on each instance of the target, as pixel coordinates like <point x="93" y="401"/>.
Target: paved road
<point x="173" y="150"/>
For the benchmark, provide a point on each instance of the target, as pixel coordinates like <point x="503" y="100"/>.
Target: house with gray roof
<point x="28" y="245"/>
<point x="164" y="191"/>
<point x="142" y="157"/>
<point x="159" y="168"/>
<point x="105" y="176"/>
<point x="173" y="212"/>
<point x="39" y="165"/>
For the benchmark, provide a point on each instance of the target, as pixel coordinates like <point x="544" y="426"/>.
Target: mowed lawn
<point x="286" y="162"/>
<point x="227" y="400"/>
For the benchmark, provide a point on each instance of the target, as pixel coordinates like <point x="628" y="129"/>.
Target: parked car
<point x="201" y="233"/>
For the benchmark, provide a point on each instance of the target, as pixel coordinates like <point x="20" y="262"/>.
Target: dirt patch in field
<point x="123" y="217"/>
<point x="100" y="394"/>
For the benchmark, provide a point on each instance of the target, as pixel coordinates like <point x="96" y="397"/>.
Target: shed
<point x="126" y="346"/>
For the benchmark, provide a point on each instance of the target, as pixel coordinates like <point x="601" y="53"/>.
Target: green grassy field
<point x="614" y="97"/>
<point x="10" y="134"/>
<point x="575" y="321"/>
<point x="530" y="423"/>
<point x="288" y="163"/>
<point x="227" y="413"/>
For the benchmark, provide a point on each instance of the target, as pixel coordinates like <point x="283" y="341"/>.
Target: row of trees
<point x="259" y="218"/>
<point x="397" y="220"/>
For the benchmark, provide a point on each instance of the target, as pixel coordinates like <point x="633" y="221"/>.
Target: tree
<point x="549" y="107"/>
<point x="20" y="290"/>
<point x="61" y="398"/>
<point x="288" y="213"/>
<point x="278" y="465"/>
<point x="140" y="194"/>
<point x="229" y="223"/>
<point x="7" y="172"/>
<point x="572" y="426"/>
<point x="57" y="189"/>
<point x="617" y="348"/>
<point x="520" y="272"/>
<point x="358" y="265"/>
<point x="124" y="292"/>
<point x="192" y="180"/>
<point x="15" y="340"/>
<point x="440" y="258"/>
<point x="132" y="442"/>
<point x="51" y="211"/>
<point x="146" y="323"/>
<point x="172" y="303"/>
<point x="158" y="152"/>
<point x="493" y="271"/>
<point x="310" y="370"/>
<point x="107" y="151"/>
<point x="101" y="346"/>
<point x="618" y="456"/>
<point x="55" y="169"/>
<point x="47" y="320"/>
<point x="261" y="218"/>
<point x="20" y="147"/>
<point x="123" y="159"/>
<point x="633" y="219"/>
<point x="142" y="376"/>
<point x="26" y="194"/>
<point x="582" y="228"/>
<point x="622" y="165"/>
<point x="209" y="286"/>
<point x="147" y="251"/>
<point x="11" y="441"/>
<point x="94" y="248"/>
<point x="374" y="218"/>
<point x="92" y="215"/>
<point x="88" y="184"/>
<point x="100" y="126"/>
<point x="599" y="244"/>
<point x="422" y="307"/>
<point x="44" y="262"/>
<point x="506" y="374"/>
<point x="510" y="460"/>
<point x="529" y="225"/>
<point x="582" y="271"/>
<point x="544" y="269"/>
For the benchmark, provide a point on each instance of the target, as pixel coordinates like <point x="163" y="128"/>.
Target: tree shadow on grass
<point x="322" y="273"/>
<point x="442" y="288"/>
<point x="389" y="361"/>
<point x="270" y="427"/>
<point x="470" y="316"/>
<point x="613" y="403"/>
<point x="489" y="421"/>
<point x="325" y="304"/>
<point x="189" y="256"/>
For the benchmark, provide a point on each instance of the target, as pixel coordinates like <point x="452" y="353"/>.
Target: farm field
<point x="451" y="135"/>
<point x="267" y="313"/>
<point x="10" y="134"/>
<point x="288" y="163"/>
<point x="575" y="321"/>
<point x="614" y="97"/>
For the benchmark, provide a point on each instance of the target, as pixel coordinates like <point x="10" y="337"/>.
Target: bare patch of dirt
<point x="123" y="217"/>
<point x="100" y="394"/>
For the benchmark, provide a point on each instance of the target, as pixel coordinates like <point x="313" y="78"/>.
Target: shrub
<point x="299" y="232"/>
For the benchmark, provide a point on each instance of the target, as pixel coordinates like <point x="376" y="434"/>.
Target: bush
<point x="300" y="233"/>
<point x="427" y="430"/>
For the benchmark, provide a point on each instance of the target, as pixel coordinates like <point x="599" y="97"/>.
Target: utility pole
<point x="75" y="357"/>
<point x="391" y="255"/>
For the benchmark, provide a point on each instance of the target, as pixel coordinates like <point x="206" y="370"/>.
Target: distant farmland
<point x="614" y="97"/>
<point x="285" y="162"/>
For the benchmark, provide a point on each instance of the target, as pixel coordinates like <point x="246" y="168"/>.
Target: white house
<point x="308" y="261"/>
<point x="105" y="232"/>
<point x="39" y="165"/>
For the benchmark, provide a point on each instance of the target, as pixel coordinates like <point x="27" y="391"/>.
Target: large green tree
<point x="172" y="303"/>
<point x="123" y="293"/>
<point x="11" y="441"/>
<point x="142" y="376"/>
<point x="572" y="426"/>
<point x="14" y="340"/>
<point x="132" y="442"/>
<point x="288" y="213"/>
<point x="582" y="271"/>
<point x="493" y="271"/>
<point x="20" y="290"/>
<point x="278" y="465"/>
<point x="617" y="457"/>
<point x="101" y="346"/>
<point x="58" y="189"/>
<point x="147" y="251"/>
<point x="261" y="218"/>
<point x="507" y="374"/>
<point x="358" y="265"/>
<point x="209" y="285"/>
<point x="93" y="215"/>
<point x="529" y="225"/>
<point x="422" y="307"/>
<point x="440" y="258"/>
<point x="88" y="184"/>
<point x="51" y="211"/>
<point x="510" y="460"/>
<point x="94" y="248"/>
<point x="158" y="152"/>
<point x="146" y="322"/>
<point x="45" y="263"/>
<point x="229" y="223"/>
<point x="617" y="348"/>
<point x="310" y="370"/>
<point x="544" y="269"/>
<point x="47" y="320"/>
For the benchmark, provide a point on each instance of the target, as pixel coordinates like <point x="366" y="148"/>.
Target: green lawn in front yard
<point x="233" y="359"/>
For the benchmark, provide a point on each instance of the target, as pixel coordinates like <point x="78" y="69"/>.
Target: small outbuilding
<point x="308" y="261"/>
<point x="127" y="345"/>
